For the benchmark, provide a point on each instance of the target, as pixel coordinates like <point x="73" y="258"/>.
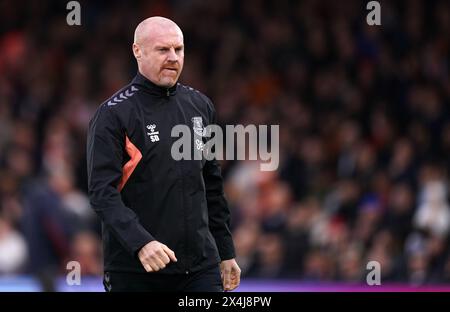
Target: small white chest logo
<point x="154" y="135"/>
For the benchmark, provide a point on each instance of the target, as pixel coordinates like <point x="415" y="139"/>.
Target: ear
<point x="137" y="51"/>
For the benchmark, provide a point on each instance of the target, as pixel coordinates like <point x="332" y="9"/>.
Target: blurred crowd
<point x="364" y="130"/>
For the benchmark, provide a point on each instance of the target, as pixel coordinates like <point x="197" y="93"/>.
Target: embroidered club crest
<point x="197" y="125"/>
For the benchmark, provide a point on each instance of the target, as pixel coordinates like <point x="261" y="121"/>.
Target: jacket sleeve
<point x="105" y="150"/>
<point x="218" y="210"/>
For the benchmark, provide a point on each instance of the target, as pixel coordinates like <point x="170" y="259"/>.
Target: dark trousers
<point x="207" y="280"/>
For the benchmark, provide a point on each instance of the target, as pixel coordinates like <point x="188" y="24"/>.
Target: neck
<point x="152" y="87"/>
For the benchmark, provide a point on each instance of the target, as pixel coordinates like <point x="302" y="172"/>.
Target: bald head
<point x="159" y="50"/>
<point x="154" y="26"/>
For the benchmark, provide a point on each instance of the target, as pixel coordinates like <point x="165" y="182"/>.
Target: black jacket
<point x="141" y="193"/>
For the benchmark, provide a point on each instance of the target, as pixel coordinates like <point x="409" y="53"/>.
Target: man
<point x="165" y="222"/>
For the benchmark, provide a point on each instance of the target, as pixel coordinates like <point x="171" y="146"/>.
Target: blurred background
<point x="364" y="134"/>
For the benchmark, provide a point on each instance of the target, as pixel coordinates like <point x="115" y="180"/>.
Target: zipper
<point x="186" y="232"/>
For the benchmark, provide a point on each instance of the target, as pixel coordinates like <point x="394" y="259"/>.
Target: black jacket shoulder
<point x="119" y="105"/>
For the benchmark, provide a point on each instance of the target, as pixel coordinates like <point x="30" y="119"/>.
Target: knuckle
<point x="154" y="255"/>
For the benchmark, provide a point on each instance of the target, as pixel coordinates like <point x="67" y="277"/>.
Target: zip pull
<point x="168" y="92"/>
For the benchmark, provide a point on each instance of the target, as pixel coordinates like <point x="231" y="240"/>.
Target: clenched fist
<point x="231" y="274"/>
<point x="155" y="256"/>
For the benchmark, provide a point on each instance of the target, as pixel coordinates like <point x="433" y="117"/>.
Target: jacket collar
<point x="153" y="88"/>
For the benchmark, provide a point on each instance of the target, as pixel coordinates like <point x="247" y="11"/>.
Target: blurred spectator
<point x="385" y="250"/>
<point x="74" y="203"/>
<point x="85" y="249"/>
<point x="245" y="240"/>
<point x="13" y="248"/>
<point x="47" y="229"/>
<point x="350" y="264"/>
<point x="269" y="257"/>
<point x="318" y="266"/>
<point x="433" y="213"/>
<point x="399" y="212"/>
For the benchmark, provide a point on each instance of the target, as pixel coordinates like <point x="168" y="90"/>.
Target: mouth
<point x="174" y="70"/>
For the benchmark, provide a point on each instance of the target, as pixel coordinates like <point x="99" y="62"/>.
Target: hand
<point x="154" y="256"/>
<point x="231" y="274"/>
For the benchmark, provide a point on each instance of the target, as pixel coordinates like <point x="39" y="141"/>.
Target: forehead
<point x="165" y="37"/>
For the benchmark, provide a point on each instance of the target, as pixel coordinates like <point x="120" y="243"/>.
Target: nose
<point x="172" y="57"/>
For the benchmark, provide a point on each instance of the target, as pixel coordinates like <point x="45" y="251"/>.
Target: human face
<point x="161" y="57"/>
